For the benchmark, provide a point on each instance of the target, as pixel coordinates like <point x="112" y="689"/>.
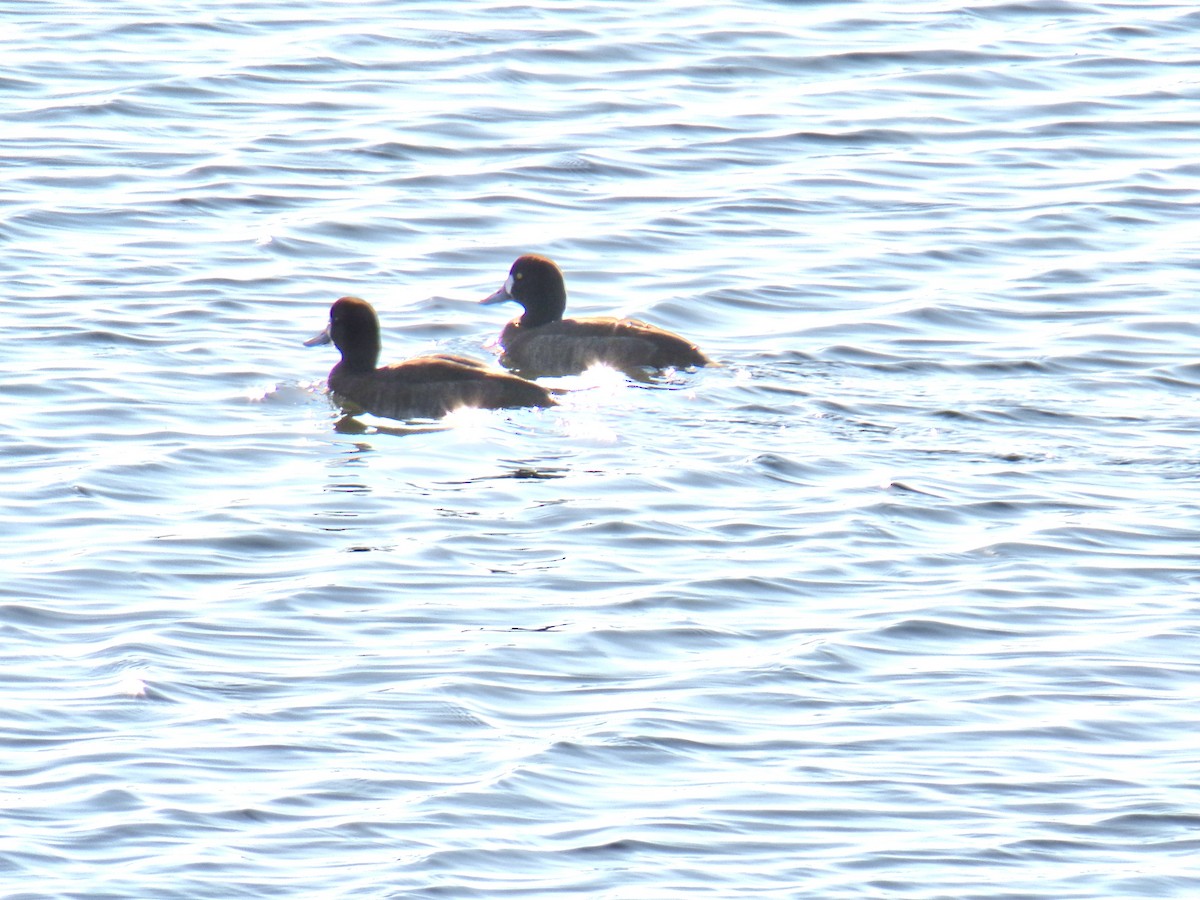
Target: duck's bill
<point x="317" y="339"/>
<point x="499" y="297"/>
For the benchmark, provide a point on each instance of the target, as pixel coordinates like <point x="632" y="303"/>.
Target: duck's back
<point x="431" y="386"/>
<point x="569" y="346"/>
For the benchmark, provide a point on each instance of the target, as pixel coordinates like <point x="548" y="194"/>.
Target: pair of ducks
<point x="540" y="342"/>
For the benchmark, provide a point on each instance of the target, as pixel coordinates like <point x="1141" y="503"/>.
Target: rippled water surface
<point x="899" y="601"/>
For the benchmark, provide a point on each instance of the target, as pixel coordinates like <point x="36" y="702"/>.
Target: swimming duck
<point x="425" y="387"/>
<point x="542" y="342"/>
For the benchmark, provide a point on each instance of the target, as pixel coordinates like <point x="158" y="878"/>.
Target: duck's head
<point x="537" y="284"/>
<point x="354" y="329"/>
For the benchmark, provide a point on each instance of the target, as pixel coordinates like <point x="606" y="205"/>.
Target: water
<point x="898" y="602"/>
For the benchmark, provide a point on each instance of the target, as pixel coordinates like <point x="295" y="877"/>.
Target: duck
<point x="426" y="387"/>
<point x="542" y="342"/>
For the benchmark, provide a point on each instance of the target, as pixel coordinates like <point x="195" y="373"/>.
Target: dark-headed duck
<point x="542" y="342"/>
<point x="425" y="387"/>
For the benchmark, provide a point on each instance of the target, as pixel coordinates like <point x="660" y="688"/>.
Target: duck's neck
<point x="549" y="308"/>
<point x="364" y="357"/>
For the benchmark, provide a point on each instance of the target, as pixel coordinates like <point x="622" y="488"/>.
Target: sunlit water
<point x="900" y="601"/>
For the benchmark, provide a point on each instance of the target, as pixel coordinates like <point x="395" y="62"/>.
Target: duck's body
<point x="542" y="342"/>
<point x="569" y="346"/>
<point x="425" y="387"/>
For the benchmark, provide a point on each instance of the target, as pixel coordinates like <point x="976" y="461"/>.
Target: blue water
<point x="899" y="601"/>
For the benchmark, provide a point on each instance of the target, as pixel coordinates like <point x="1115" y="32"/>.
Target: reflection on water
<point x="351" y="425"/>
